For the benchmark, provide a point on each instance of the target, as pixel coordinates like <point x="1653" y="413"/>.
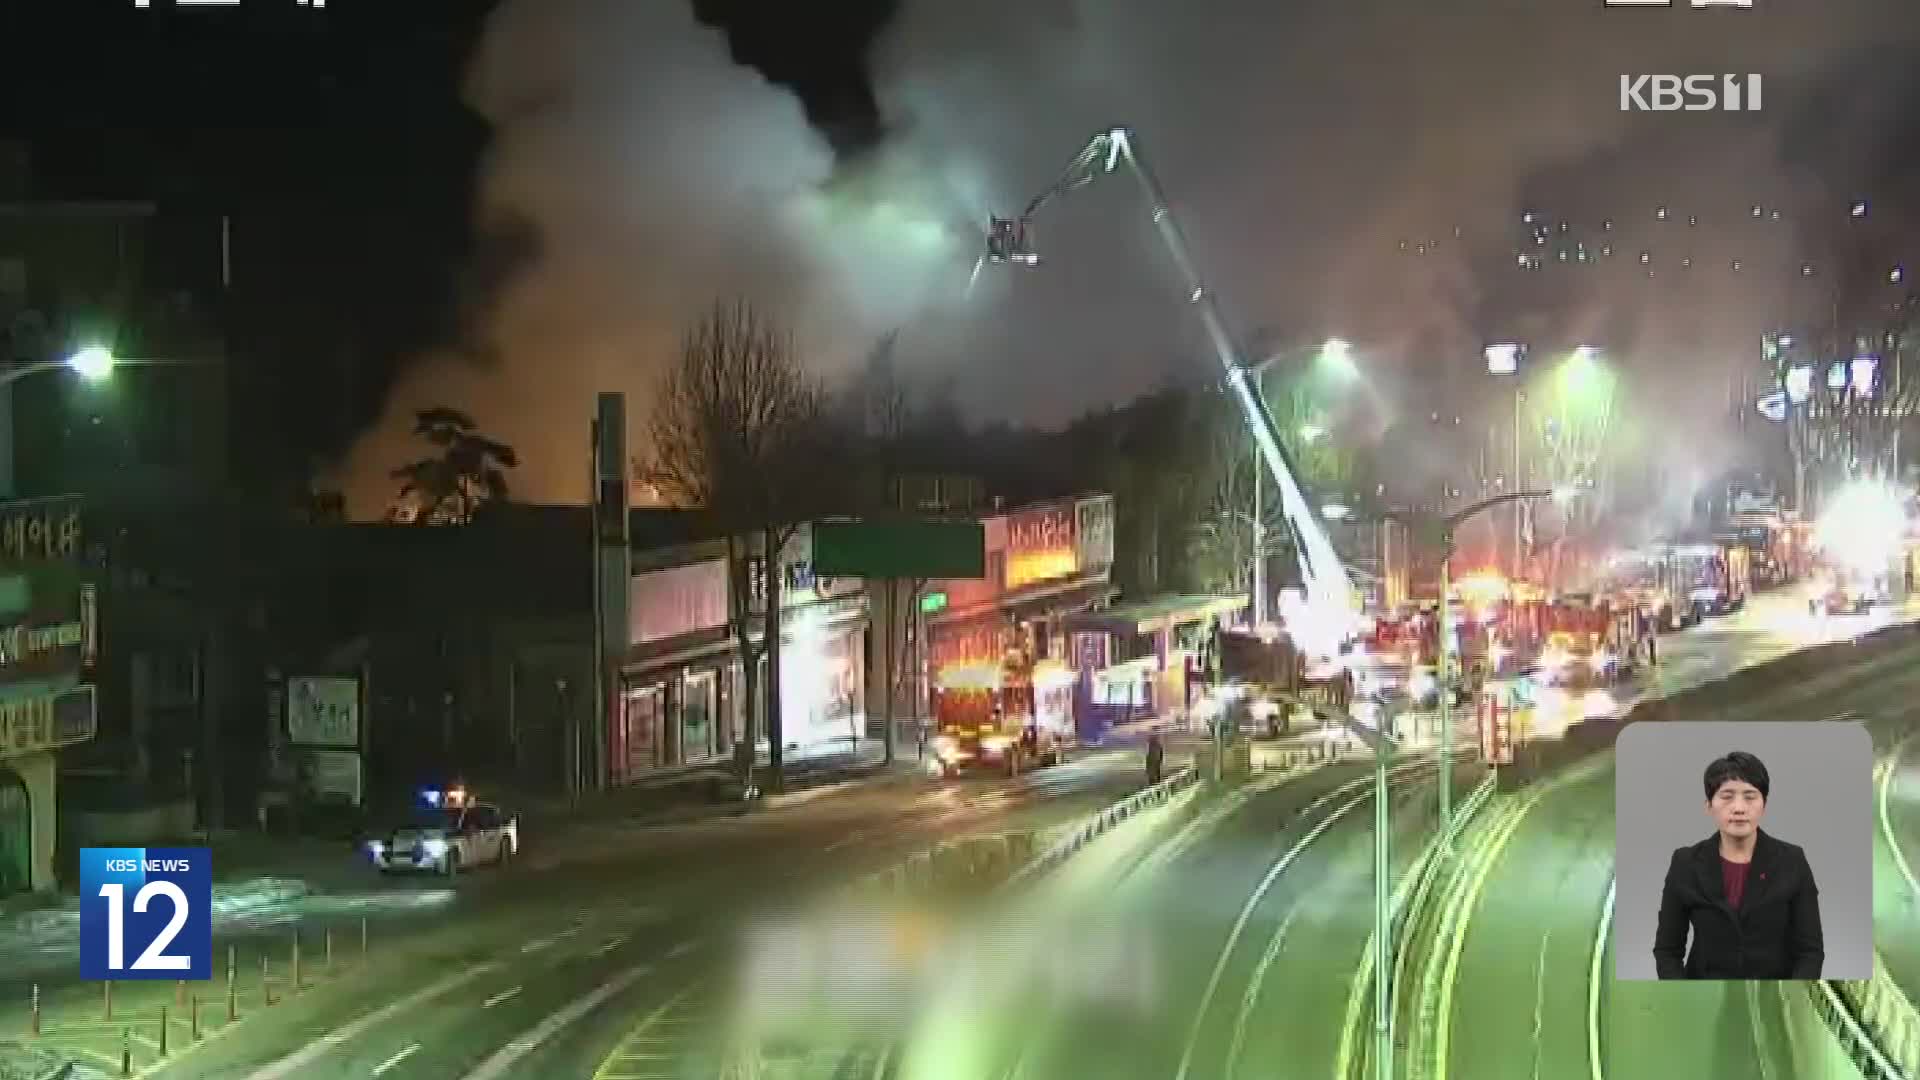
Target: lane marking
<point x="1470" y="902"/>
<point x="1279" y="867"/>
<point x="1252" y="997"/>
<point x="641" y="1031"/>
<point x="1886" y="820"/>
<point x="682" y="949"/>
<point x="609" y="946"/>
<point x="496" y="999"/>
<point x="1540" y="1002"/>
<point x="297" y="1062"/>
<point x="536" y="945"/>
<point x="1595" y="1065"/>
<point x="504" y="1059"/>
<point x="383" y="1067"/>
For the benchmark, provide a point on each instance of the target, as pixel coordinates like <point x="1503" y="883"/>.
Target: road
<point x="1263" y="925"/>
<point x="533" y="971"/>
<point x="1519" y="1003"/>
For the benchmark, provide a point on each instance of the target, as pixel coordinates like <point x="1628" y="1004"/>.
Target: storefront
<point x="1145" y="658"/>
<point x="679" y="693"/>
<point x="1045" y="563"/>
<point x="683" y="691"/>
<point x="49" y="620"/>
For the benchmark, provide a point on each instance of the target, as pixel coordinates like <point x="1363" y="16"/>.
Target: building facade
<point x="48" y="649"/>
<point x="1045" y="563"/>
<point x="682" y="698"/>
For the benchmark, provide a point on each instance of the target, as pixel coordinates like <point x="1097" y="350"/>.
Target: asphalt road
<point x="1519" y="1003"/>
<point x="537" y="970"/>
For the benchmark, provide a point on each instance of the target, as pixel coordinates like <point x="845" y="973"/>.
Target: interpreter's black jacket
<point x="1774" y="934"/>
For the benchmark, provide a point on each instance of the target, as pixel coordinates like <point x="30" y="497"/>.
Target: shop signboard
<point x="331" y="775"/>
<point x="1040" y="546"/>
<point x="1496" y="730"/>
<point x="323" y="711"/>
<point x="40" y="531"/>
<point x="1093" y="533"/>
<point x="677" y="600"/>
<point x="47" y="721"/>
<point x="54" y="634"/>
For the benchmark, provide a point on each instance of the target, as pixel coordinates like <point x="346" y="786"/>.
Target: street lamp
<point x="1446" y="527"/>
<point x="94" y="364"/>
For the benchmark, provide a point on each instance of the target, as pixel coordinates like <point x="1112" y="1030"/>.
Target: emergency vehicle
<point x="986" y="716"/>
<point x="1588" y="643"/>
<point x="448" y="831"/>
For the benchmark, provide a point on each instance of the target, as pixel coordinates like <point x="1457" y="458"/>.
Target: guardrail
<point x="1873" y="1021"/>
<point x="1147" y="798"/>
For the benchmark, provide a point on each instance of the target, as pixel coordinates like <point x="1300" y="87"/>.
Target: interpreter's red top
<point x="1734" y="876"/>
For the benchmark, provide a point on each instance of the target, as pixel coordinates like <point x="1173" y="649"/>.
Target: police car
<point x="447" y="832"/>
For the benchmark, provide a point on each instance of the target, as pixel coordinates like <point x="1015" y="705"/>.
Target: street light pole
<point x="1259" y="549"/>
<point x="1382" y="915"/>
<point x="1443" y="740"/>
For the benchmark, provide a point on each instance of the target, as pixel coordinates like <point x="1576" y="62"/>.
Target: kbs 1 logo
<point x="146" y="913"/>
<point x="1689" y="93"/>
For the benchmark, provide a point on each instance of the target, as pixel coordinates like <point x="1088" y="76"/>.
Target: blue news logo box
<point x="146" y="913"/>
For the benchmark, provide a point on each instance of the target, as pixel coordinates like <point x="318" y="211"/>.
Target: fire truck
<point x="1266" y="675"/>
<point x="1715" y="576"/>
<point x="1589" y="643"/>
<point x="986" y="717"/>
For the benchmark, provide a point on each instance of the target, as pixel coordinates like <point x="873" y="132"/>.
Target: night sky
<point x="508" y="206"/>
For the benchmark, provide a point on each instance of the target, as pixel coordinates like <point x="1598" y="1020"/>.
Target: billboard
<point x="324" y="710"/>
<point x="906" y="548"/>
<point x="1040" y="546"/>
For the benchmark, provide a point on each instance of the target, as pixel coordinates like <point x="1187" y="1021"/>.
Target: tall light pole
<point x="1446" y="527"/>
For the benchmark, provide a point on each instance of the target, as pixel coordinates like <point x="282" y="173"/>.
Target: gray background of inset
<point x="1821" y="799"/>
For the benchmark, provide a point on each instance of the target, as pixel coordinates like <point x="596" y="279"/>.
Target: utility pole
<point x="1382" y="916"/>
<point x="1444" y="740"/>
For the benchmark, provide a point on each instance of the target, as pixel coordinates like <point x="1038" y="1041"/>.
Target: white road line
<point x="1595" y="982"/>
<point x="1886" y="821"/>
<point x="536" y="945"/>
<point x="503" y="1061"/>
<point x="682" y="949"/>
<point x="499" y="997"/>
<point x="1246" y="914"/>
<point x="300" y="1060"/>
<point x="381" y="1069"/>
<point x="611" y="944"/>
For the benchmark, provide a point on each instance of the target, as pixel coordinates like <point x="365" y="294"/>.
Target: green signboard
<point x="900" y="549"/>
<point x="933" y="603"/>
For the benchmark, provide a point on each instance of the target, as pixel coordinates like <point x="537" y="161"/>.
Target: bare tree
<point x="736" y="432"/>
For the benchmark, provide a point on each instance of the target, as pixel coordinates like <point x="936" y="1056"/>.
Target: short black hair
<point x="1737" y="765"/>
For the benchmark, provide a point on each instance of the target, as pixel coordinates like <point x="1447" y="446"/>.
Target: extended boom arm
<point x="1329" y="596"/>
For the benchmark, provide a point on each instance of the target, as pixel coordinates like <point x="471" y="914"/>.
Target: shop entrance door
<point x="16" y="834"/>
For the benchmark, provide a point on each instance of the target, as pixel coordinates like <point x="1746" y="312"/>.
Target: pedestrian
<point x="1156" y="757"/>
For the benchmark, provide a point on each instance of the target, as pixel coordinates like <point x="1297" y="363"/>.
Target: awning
<point x="1156" y="614"/>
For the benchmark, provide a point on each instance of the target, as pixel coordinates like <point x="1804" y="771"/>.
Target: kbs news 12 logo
<point x="146" y="913"/>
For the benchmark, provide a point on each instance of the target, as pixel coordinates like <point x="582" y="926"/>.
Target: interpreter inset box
<point x="1743" y="850"/>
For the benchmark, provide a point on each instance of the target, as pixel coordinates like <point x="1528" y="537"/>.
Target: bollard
<point x="363" y="937"/>
<point x="33" y="1022"/>
<point x="233" y="993"/>
<point x="163" y="1031"/>
<point x="266" y="982"/>
<point x="126" y="1051"/>
<point x="193" y="1018"/>
<point x="106" y="990"/>
<point x="295" y="985"/>
<point x="326" y="943"/>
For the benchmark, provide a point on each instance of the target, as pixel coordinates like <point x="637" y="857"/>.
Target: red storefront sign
<point x="980" y="641"/>
<point x="1040" y="546"/>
